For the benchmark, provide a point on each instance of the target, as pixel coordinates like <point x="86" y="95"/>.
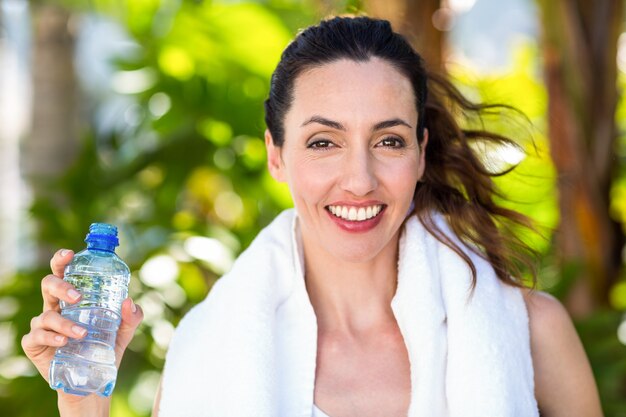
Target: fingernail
<point x="133" y="307"/>
<point x="73" y="294"/>
<point x="79" y="330"/>
<point x="59" y="338"/>
<point x="65" y="252"/>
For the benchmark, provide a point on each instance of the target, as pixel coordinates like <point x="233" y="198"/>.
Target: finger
<point x="54" y="289"/>
<point x="39" y="338"/>
<point x="60" y="259"/>
<point x="132" y="316"/>
<point x="51" y="320"/>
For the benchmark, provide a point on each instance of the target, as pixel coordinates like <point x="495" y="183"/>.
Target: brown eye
<point x="320" y="144"/>
<point x="391" y="142"/>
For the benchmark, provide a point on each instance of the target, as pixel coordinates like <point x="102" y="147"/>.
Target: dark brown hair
<point x="456" y="182"/>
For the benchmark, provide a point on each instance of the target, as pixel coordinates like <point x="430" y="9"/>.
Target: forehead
<point x="353" y="91"/>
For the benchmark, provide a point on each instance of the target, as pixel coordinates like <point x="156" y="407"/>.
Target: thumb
<point x="132" y="315"/>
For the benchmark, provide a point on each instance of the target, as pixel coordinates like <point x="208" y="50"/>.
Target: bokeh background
<point x="149" y="114"/>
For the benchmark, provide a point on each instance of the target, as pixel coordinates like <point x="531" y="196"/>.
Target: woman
<point x="350" y="304"/>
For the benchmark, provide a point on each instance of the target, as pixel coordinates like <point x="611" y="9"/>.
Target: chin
<point x="351" y="254"/>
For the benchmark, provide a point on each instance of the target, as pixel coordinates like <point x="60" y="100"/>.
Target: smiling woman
<point x="390" y="289"/>
<point x="367" y="157"/>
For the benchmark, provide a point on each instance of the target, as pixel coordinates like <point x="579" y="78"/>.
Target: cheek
<point x="401" y="177"/>
<point x="309" y="180"/>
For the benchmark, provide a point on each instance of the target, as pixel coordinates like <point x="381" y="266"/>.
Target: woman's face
<point x="350" y="157"/>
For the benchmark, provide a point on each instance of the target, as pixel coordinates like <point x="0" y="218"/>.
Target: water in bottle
<point x="87" y="365"/>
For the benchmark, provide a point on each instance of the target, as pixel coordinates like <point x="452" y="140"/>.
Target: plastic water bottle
<point x="87" y="365"/>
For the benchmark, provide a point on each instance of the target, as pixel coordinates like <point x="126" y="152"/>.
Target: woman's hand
<point x="50" y="330"/>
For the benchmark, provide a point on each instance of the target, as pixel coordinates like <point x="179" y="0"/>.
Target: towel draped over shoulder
<point x="249" y="349"/>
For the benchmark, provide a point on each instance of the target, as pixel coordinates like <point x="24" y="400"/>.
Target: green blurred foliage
<point x="531" y="189"/>
<point x="191" y="166"/>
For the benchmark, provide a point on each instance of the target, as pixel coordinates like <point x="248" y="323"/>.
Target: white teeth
<point x="354" y="213"/>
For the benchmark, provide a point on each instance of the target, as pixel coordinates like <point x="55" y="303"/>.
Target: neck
<point x="351" y="297"/>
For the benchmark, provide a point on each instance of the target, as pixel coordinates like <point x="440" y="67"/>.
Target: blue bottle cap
<point x="103" y="232"/>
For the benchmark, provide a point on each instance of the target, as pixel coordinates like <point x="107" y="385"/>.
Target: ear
<point x="274" y="158"/>
<point x="422" y="155"/>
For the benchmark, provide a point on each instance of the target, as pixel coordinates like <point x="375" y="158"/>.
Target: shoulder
<point x="551" y="328"/>
<point x="564" y="382"/>
<point x="546" y="314"/>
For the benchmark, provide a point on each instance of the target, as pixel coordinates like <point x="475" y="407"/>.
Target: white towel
<point x="249" y="349"/>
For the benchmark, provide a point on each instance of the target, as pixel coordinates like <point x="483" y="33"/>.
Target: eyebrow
<point x="336" y="125"/>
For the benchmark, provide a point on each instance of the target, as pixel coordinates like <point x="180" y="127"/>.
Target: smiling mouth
<point x="356" y="214"/>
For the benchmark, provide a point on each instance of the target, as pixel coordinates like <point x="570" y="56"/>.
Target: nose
<point x="358" y="172"/>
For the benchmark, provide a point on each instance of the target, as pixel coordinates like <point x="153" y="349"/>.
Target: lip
<point x="357" y="204"/>
<point x="357" y="226"/>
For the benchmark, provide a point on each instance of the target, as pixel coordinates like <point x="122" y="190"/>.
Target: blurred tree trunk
<point x="52" y="143"/>
<point x="580" y="47"/>
<point x="13" y="120"/>
<point x="414" y="19"/>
